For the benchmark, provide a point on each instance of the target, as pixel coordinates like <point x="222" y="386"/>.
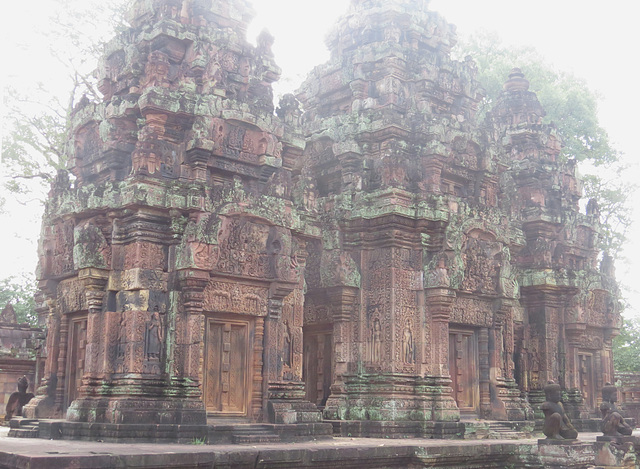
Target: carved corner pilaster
<point x="193" y="283"/>
<point x="94" y="282"/>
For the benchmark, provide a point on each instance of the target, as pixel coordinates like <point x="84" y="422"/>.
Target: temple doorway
<point x="75" y="358"/>
<point x="587" y="380"/>
<point x="464" y="370"/>
<point x="318" y="357"/>
<point x="226" y="367"/>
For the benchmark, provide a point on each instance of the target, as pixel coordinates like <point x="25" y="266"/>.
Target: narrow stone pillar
<point x="439" y="303"/>
<point x="343" y="300"/>
<point x="484" y="360"/>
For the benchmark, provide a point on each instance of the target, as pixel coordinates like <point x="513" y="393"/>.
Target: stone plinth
<point x="565" y="454"/>
<point x="617" y="452"/>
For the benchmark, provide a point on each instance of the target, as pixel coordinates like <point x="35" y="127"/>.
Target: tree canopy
<point x="626" y="347"/>
<point x="19" y="291"/>
<point x="573" y="107"/>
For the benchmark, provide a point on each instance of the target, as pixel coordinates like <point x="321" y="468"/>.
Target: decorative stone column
<point x="439" y="302"/>
<point x="286" y="400"/>
<point x="342" y="301"/>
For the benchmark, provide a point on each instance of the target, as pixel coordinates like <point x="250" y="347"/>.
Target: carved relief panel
<point x="235" y="298"/>
<point x="482" y="268"/>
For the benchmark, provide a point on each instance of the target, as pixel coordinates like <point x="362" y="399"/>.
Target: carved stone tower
<point x="410" y="244"/>
<point x="173" y="264"/>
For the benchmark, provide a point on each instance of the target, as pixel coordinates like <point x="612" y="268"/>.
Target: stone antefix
<point x="371" y="249"/>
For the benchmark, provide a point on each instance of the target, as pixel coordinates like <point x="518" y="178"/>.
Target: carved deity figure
<point x="439" y="277"/>
<point x="153" y="337"/>
<point x="122" y="336"/>
<point x="557" y="425"/>
<point x="288" y="349"/>
<point x="376" y="342"/>
<point x="19" y="399"/>
<point x="613" y="423"/>
<point x="407" y="344"/>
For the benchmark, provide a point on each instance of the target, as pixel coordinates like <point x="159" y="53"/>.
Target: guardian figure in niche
<point x="407" y="344"/>
<point x="288" y="348"/>
<point x="153" y="337"/>
<point x="376" y="341"/>
<point x="557" y="425"/>
<point x="122" y="336"/>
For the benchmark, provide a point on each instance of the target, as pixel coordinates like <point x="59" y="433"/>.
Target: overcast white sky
<point x="595" y="40"/>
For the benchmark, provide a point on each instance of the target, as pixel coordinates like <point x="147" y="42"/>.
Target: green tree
<point x="626" y="347"/>
<point x="573" y="108"/>
<point x="19" y="291"/>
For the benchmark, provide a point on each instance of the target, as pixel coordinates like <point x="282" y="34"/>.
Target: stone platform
<point x="339" y="452"/>
<point x="213" y="433"/>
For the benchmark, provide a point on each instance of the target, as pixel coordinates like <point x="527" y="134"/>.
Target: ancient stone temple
<point x="172" y="266"/>
<point x="371" y="249"/>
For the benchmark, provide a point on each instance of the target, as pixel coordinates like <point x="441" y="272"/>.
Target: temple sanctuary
<point x="367" y="257"/>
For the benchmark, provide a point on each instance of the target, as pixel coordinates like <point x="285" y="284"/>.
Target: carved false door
<point x="75" y="358"/>
<point x="317" y="365"/>
<point x="587" y="380"/>
<point x="464" y="370"/>
<point x="227" y="358"/>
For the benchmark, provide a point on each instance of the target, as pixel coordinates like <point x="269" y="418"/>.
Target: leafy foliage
<point x="573" y="108"/>
<point x="626" y="347"/>
<point x="19" y="291"/>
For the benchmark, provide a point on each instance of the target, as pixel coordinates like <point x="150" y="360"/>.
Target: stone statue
<point x="407" y="344"/>
<point x="557" y="425"/>
<point x="613" y="423"/>
<point x="19" y="399"/>
<point x="153" y="337"/>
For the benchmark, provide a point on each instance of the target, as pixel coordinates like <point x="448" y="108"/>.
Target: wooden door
<point x="318" y="359"/>
<point x="226" y="377"/>
<point x="76" y="353"/>
<point x="587" y="380"/>
<point x="463" y="366"/>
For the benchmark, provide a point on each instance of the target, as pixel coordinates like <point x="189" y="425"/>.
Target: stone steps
<point x="251" y="434"/>
<point x="495" y="430"/>
<point x="504" y="431"/>
<point x="24" y="428"/>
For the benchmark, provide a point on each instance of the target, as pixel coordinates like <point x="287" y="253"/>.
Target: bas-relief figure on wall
<point x="154" y="336"/>
<point x="407" y="344"/>
<point x="376" y="341"/>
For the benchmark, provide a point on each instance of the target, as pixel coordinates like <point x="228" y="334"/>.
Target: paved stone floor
<point x="51" y="454"/>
